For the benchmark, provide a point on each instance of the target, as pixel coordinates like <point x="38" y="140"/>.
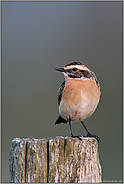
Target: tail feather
<point x="60" y="120"/>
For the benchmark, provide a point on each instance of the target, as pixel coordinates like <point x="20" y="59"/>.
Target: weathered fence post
<point x="59" y="160"/>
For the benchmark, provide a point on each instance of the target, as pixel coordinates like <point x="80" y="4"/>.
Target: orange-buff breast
<point x="79" y="99"/>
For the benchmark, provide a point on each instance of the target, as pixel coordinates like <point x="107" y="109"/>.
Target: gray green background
<point x="38" y="37"/>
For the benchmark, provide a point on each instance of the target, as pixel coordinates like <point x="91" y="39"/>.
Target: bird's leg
<point x="89" y="134"/>
<point x="71" y="134"/>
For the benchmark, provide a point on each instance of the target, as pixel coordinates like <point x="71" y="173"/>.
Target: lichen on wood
<point x="56" y="160"/>
<point x="59" y="160"/>
<point x="36" y="169"/>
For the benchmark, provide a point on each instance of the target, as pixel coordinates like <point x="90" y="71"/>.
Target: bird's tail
<point x="60" y="120"/>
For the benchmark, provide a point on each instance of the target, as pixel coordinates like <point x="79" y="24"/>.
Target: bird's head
<point x="77" y="70"/>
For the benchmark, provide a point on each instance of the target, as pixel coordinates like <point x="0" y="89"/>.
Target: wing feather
<point x="60" y="92"/>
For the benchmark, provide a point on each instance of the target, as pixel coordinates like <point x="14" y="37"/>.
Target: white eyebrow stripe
<point x="80" y="67"/>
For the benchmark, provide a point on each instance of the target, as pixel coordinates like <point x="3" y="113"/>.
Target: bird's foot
<point x="92" y="135"/>
<point x="76" y="136"/>
<point x="88" y="135"/>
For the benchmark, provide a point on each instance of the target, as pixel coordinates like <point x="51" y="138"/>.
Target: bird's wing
<point x="60" y="119"/>
<point x="60" y="92"/>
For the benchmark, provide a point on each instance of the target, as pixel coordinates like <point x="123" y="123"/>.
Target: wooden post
<point x="59" y="160"/>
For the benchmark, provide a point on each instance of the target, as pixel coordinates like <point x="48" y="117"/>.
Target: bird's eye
<point x="74" y="69"/>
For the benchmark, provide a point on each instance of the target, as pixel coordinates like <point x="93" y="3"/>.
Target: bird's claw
<point x="88" y="135"/>
<point x="92" y="135"/>
<point x="76" y="136"/>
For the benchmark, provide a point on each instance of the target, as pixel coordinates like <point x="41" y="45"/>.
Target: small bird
<point x="78" y="95"/>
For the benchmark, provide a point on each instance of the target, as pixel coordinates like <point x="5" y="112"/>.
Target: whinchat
<point x="78" y="95"/>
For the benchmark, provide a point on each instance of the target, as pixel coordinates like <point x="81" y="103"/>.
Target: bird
<point x="78" y="95"/>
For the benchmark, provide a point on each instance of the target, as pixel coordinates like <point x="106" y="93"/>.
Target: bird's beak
<point x="60" y="69"/>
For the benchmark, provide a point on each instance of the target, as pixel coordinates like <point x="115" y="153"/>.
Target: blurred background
<point x="38" y="37"/>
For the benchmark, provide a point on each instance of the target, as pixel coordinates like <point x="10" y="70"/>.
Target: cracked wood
<point x="59" y="160"/>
